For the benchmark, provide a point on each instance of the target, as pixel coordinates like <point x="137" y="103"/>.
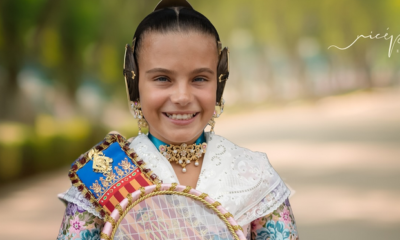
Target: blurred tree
<point x="17" y="18"/>
<point x="279" y="49"/>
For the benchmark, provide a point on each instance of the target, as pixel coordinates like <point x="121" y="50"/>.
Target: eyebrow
<point x="163" y="70"/>
<point x="156" y="70"/>
<point x="200" y="70"/>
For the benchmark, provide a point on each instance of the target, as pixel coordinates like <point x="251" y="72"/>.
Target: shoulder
<point x="242" y="179"/>
<point x="81" y="174"/>
<point x="113" y="140"/>
<point x="104" y="168"/>
<point x="222" y="145"/>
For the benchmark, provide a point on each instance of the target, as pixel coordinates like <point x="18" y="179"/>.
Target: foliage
<point x="64" y="58"/>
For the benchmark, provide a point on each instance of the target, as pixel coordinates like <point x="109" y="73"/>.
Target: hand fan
<point x="170" y="211"/>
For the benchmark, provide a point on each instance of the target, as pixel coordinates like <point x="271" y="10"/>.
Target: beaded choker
<point x="182" y="154"/>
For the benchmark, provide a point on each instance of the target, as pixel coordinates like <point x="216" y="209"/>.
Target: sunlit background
<point x="328" y="119"/>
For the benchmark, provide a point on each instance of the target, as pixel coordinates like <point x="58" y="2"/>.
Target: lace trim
<point x="73" y="195"/>
<point x="267" y="205"/>
<point x="240" y="179"/>
<point x="146" y="150"/>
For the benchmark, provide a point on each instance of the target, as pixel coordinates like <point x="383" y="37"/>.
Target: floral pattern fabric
<point x="279" y="225"/>
<point x="79" y="224"/>
<point x="73" y="195"/>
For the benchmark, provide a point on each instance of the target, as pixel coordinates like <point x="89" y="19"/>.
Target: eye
<point x="199" y="79"/>
<point x="161" y="79"/>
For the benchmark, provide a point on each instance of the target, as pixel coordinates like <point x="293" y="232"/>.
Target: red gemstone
<point x="102" y="213"/>
<point x="146" y="170"/>
<point x="100" y="148"/>
<point x="71" y="174"/>
<point x="74" y="181"/>
<point x="153" y="177"/>
<point x="87" y="196"/>
<point x="80" y="188"/>
<point x="74" y="167"/>
<point x="106" y="143"/>
<point x="140" y="162"/>
<point x="132" y="155"/>
<point x="120" y="138"/>
<point x="82" y="161"/>
<point x="126" y="148"/>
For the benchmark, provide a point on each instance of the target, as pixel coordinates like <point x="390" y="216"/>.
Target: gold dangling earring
<point x="212" y="124"/>
<point x="137" y="114"/>
<point x="219" y="109"/>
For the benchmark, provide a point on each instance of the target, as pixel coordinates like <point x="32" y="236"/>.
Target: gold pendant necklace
<point x="183" y="154"/>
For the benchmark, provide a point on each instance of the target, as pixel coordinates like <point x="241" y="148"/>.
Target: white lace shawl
<point x="243" y="181"/>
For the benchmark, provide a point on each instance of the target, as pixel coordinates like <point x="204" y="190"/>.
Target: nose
<point x="182" y="94"/>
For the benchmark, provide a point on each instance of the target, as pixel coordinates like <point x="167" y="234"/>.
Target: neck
<point x="157" y="142"/>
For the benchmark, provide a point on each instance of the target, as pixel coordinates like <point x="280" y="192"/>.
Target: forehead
<point x="178" y="49"/>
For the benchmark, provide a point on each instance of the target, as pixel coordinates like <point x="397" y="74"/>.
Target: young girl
<point x="175" y="74"/>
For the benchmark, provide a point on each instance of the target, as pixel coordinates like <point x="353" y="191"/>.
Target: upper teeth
<point x="180" y="116"/>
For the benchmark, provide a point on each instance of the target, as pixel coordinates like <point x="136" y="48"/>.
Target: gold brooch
<point x="183" y="154"/>
<point x="101" y="163"/>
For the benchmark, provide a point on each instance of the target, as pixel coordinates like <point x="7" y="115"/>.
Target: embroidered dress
<point x="243" y="181"/>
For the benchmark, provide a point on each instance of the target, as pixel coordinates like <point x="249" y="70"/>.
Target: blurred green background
<point x="62" y="89"/>
<point x="61" y="83"/>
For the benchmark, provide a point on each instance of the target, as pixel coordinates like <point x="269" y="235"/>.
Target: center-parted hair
<point x="174" y="19"/>
<point x="166" y="20"/>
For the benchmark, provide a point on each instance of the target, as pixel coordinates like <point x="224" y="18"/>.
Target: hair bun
<point x="172" y="3"/>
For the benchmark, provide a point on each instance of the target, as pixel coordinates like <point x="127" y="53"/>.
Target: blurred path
<point x="30" y="209"/>
<point x="341" y="156"/>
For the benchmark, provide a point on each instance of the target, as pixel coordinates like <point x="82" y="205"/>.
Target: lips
<point x="180" y="116"/>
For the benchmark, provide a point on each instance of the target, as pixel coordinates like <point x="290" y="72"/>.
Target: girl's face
<point x="178" y="84"/>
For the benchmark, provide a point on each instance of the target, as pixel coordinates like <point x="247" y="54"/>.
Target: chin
<point x="183" y="135"/>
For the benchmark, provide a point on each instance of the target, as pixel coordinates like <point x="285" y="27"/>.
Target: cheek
<point x="151" y="100"/>
<point x="208" y="100"/>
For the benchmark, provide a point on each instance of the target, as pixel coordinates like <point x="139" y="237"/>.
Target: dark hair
<point x="175" y="19"/>
<point x="172" y="19"/>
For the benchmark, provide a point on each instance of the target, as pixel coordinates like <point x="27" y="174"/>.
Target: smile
<point x="180" y="116"/>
